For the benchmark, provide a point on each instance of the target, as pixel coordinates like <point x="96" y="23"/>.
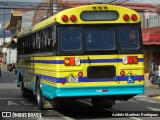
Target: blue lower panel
<point x="52" y="92"/>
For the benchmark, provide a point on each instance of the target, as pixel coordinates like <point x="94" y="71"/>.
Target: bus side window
<point x="24" y="45"/>
<point x="54" y="39"/>
<point x="29" y="45"/>
<point x="49" y="39"/>
<point x="33" y="43"/>
<point x="45" y="40"/>
<point x="36" y="46"/>
<point x="53" y="42"/>
<point x="38" y="42"/>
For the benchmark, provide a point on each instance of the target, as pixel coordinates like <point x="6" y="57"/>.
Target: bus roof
<point x="114" y="15"/>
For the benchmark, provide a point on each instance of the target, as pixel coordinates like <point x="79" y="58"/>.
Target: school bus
<point x="91" y="51"/>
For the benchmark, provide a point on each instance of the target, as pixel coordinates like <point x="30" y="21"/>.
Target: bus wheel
<point x="25" y="92"/>
<point x="39" y="97"/>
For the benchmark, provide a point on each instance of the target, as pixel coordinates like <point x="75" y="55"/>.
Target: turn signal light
<point x="67" y="61"/>
<point x="135" y="59"/>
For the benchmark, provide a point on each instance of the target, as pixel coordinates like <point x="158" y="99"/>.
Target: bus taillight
<point x="125" y="17"/>
<point x="64" y="18"/>
<point x="72" y="61"/>
<point x="130" y="60"/>
<point x="134" y="17"/>
<point x="73" y="18"/>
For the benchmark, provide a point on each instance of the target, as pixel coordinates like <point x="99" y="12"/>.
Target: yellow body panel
<point x="78" y="10"/>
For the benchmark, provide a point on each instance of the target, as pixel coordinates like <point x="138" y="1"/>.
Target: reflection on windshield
<point x="129" y="39"/>
<point x="99" y="40"/>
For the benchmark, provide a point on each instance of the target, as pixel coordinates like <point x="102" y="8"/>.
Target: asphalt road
<point x="12" y="101"/>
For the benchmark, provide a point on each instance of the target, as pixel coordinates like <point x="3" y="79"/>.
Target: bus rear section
<point x="110" y="69"/>
<point x="97" y="54"/>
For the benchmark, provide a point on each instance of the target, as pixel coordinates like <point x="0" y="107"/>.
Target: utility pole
<point x="51" y="7"/>
<point x="4" y="34"/>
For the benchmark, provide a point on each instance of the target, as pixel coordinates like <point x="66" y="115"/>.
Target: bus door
<point x="101" y="55"/>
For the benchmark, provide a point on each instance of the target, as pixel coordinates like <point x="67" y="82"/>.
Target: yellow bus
<point x="91" y="51"/>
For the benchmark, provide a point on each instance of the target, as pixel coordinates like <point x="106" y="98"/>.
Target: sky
<point x="7" y="11"/>
<point x="142" y="1"/>
<point x="151" y="1"/>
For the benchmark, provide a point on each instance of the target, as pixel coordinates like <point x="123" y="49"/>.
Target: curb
<point x="152" y="86"/>
<point x="157" y="97"/>
<point x="154" y="95"/>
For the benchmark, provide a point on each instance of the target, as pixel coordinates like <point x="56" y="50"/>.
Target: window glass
<point x="71" y="40"/>
<point x="99" y="15"/>
<point x="99" y="40"/>
<point x="129" y="39"/>
<point x="33" y="42"/>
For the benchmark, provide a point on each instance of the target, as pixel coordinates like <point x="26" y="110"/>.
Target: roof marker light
<point x="105" y="7"/>
<point x="94" y="7"/>
<point x="99" y="7"/>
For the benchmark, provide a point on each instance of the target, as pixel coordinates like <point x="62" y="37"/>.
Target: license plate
<point x="72" y="79"/>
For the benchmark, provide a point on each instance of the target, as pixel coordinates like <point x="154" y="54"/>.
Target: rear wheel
<point x="39" y="97"/>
